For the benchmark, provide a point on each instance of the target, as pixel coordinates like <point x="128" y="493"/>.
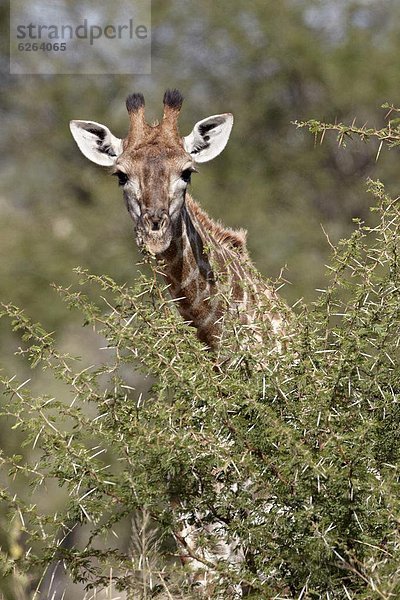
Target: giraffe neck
<point x="203" y="296"/>
<point x="187" y="269"/>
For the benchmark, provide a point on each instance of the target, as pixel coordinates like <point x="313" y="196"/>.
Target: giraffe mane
<point x="232" y="238"/>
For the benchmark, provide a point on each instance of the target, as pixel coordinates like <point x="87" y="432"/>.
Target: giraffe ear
<point x="96" y="142"/>
<point x="209" y="137"/>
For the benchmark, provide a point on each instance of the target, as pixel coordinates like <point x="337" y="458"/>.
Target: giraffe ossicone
<point x="205" y="264"/>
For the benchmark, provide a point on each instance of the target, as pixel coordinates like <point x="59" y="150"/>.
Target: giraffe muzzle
<point x="155" y="235"/>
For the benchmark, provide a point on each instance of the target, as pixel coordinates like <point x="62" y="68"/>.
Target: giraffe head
<point x="153" y="164"/>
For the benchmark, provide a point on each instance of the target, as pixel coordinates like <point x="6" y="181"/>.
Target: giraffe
<point x="207" y="266"/>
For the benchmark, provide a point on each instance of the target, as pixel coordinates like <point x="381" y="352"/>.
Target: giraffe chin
<point x="154" y="243"/>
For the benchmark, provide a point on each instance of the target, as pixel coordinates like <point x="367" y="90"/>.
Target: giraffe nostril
<point x="155" y="222"/>
<point x="159" y="223"/>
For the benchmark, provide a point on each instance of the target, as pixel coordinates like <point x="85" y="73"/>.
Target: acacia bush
<point x="304" y="444"/>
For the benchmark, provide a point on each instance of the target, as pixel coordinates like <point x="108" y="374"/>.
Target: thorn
<point x="379" y="151"/>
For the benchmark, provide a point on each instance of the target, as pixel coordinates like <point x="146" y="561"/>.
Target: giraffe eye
<point x="186" y="175"/>
<point x="122" y="177"/>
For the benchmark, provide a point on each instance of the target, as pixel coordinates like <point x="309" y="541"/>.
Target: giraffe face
<point x="154" y="183"/>
<point x="154" y="163"/>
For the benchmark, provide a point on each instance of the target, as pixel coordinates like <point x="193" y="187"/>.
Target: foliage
<point x="389" y="134"/>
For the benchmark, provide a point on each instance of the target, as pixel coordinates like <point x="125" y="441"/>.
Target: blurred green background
<point x="268" y="62"/>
